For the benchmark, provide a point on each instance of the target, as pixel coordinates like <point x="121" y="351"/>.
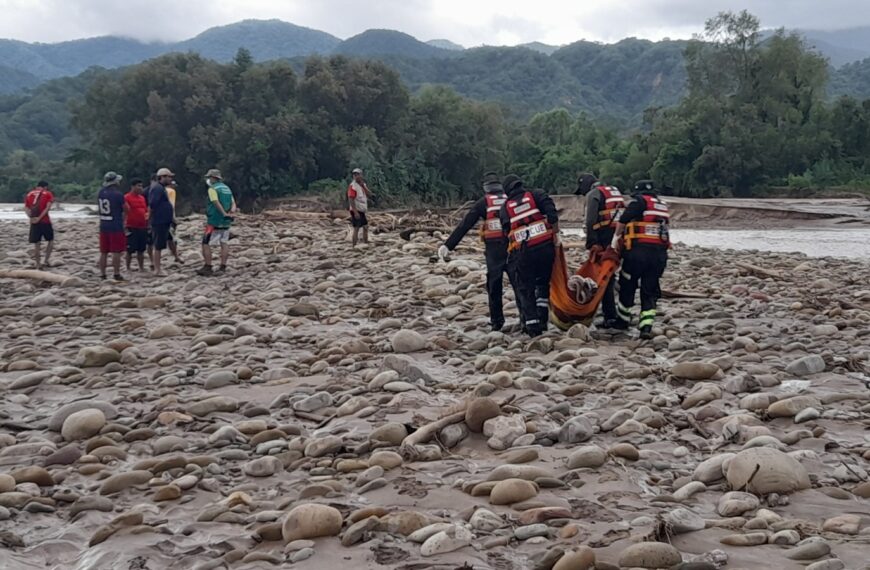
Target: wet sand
<point x="182" y="422"/>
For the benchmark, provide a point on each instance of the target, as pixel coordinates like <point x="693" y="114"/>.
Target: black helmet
<point x="584" y="183"/>
<point x="642" y="186"/>
<point x="511" y="181"/>
<point x="490" y="177"/>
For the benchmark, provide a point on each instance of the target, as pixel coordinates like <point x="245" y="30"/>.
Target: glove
<point x="615" y="242"/>
<point x="443" y="253"/>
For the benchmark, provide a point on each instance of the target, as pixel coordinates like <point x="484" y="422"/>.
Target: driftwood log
<point x="45" y="276"/>
<point x="758" y="270"/>
<point x="408" y="448"/>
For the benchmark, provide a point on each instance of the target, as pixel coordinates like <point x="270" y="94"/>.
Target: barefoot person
<point x="136" y="224"/>
<point x="358" y="198"/>
<point x="161" y="216"/>
<point x="112" y="208"/>
<point x="37" y="203"/>
<point x="218" y="221"/>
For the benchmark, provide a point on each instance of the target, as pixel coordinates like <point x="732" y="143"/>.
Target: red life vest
<point x="652" y="229"/>
<point x="529" y="225"/>
<point x="491" y="230"/>
<point x="611" y="205"/>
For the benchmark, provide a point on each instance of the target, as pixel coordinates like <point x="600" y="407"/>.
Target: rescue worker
<point x="487" y="209"/>
<point x="531" y="223"/>
<point x="643" y="233"/>
<point x="604" y="204"/>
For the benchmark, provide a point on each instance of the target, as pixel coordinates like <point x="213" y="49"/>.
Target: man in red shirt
<point x="136" y="223"/>
<point x="358" y="194"/>
<point x="37" y="203"/>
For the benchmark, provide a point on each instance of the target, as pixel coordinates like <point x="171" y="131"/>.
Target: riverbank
<point x="219" y="405"/>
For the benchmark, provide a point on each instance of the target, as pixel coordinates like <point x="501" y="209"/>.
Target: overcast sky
<point x="468" y="22"/>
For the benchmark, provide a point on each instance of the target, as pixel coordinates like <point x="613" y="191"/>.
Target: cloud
<point x="469" y="22"/>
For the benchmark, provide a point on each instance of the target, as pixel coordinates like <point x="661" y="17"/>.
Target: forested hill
<point x="615" y="81"/>
<point x="739" y="125"/>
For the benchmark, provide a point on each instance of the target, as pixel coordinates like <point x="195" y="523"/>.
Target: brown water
<point x="815" y="242"/>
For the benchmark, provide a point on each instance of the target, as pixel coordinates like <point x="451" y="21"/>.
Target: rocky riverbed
<point x="318" y="407"/>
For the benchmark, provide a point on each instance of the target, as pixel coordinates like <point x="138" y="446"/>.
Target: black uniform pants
<point x="496" y="267"/>
<point x="608" y="302"/>
<point x="534" y="267"/>
<point x="644" y="265"/>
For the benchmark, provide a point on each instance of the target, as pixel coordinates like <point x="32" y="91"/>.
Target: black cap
<point x="490" y="177"/>
<point x="511" y="181"/>
<point x="585" y="182"/>
<point x="42" y="184"/>
<point x="644" y="186"/>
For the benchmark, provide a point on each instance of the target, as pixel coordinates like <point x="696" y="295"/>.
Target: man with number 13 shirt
<point x="112" y="208"/>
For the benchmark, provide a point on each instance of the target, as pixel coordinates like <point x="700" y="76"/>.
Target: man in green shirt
<point x="218" y="221"/>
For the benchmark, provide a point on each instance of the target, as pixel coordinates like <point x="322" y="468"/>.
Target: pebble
<point x="294" y="392"/>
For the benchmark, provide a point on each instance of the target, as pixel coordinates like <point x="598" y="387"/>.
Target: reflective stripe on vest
<point x="652" y="229"/>
<point x="492" y="230"/>
<point x="528" y="225"/>
<point x="611" y="206"/>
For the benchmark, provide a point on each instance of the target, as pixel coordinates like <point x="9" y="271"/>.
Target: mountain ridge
<point x="618" y="80"/>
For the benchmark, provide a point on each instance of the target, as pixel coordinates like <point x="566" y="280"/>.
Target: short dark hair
<point x="154" y="177"/>
<point x="42" y="184"/>
<point x="135" y="181"/>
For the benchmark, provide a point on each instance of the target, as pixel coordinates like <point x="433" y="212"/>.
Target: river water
<point x="58" y="211"/>
<point x="814" y="242"/>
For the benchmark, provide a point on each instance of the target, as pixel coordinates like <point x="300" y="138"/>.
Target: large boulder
<point x="811" y="364"/>
<point x="695" y="370"/>
<point x="311" y="521"/>
<point x="83" y="424"/>
<point x="650" y="555"/>
<point x="408" y="341"/>
<point x="93" y="356"/>
<point x="763" y="470"/>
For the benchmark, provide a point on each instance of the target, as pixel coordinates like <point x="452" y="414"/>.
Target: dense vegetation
<point x="754" y="114"/>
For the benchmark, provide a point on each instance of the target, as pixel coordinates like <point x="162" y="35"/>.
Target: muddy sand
<point x="318" y="407"/>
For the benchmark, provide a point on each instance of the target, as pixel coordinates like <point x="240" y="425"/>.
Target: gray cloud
<point x="470" y="22"/>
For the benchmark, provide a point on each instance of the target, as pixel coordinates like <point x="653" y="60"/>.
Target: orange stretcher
<point x="565" y="311"/>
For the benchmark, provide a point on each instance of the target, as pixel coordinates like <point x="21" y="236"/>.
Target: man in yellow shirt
<point x="172" y="242"/>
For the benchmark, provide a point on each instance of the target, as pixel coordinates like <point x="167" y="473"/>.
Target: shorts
<point x="160" y="236"/>
<point x="112" y="242"/>
<point x="360" y="220"/>
<point x="137" y="240"/>
<point x="41" y="231"/>
<point x="215" y="236"/>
